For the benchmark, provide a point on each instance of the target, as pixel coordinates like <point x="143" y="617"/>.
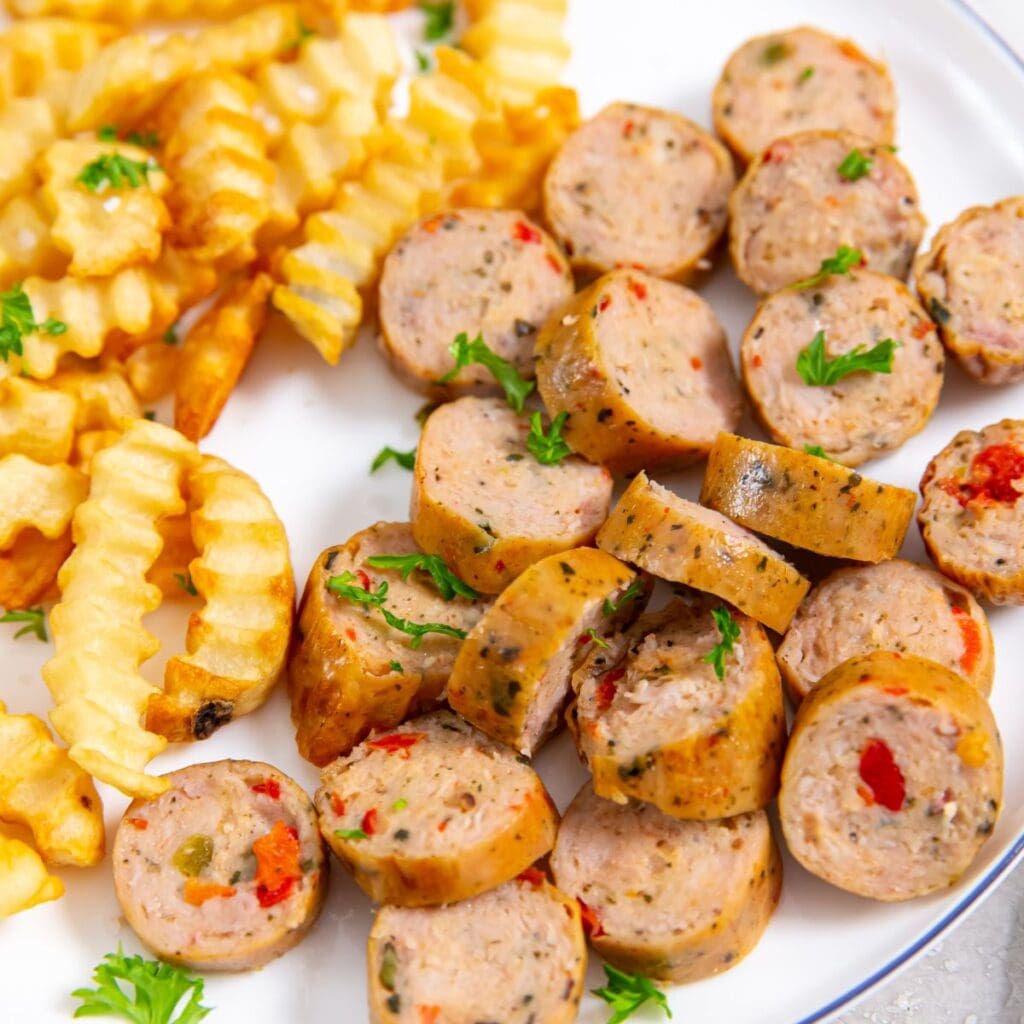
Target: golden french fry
<point x="170" y="571"/>
<point x="26" y="248"/>
<point x="36" y="421"/>
<point x="152" y="369"/>
<point x="36" y="495"/>
<point x="216" y="352"/>
<point x="98" y="635"/>
<point x="28" y="572"/>
<point x="27" y="126"/>
<point x="42" y="788"/>
<point x="103" y="398"/>
<point x="238" y="641"/>
<point x="132" y="10"/>
<point x="24" y="881"/>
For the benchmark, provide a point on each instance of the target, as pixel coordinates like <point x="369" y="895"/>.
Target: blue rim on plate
<point x="1009" y="859"/>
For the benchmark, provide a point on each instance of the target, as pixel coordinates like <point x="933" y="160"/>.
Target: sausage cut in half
<point x="673" y="900"/>
<point x="225" y="870"/>
<point x="434" y="812"/>
<point x="893" y="778"/>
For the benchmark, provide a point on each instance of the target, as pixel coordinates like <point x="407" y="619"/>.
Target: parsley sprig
<point x="115" y="170"/>
<point x="729" y="631"/>
<point x="17" y="320"/>
<point x="418" y="630"/>
<point x="843" y="262"/>
<point x="466" y="352"/>
<point x="548" y="448"/>
<point x="855" y="165"/>
<point x="184" y="580"/>
<point x="343" y="587"/>
<point x="156" y="990"/>
<point x="387" y="454"/>
<point x="448" y="584"/>
<point x="145" y="140"/>
<point x="632" y="591"/>
<point x="35" y="619"/>
<point x="597" y="638"/>
<point x="350" y="833"/>
<point x="818" y="370"/>
<point x="626" y="993"/>
<point x="816" y="449"/>
<point x="440" y="19"/>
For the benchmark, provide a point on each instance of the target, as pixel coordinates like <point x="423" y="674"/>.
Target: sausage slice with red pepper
<point x="434" y="812"/>
<point x="223" y="872"/>
<point x="972" y="515"/>
<point x="893" y="778"/>
<point x="674" y="900"/>
<point x="892" y="606"/>
<point x="515" y="954"/>
<point x="684" y="711"/>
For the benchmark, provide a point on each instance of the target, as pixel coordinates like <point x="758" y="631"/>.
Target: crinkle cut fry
<point x="26" y="248"/>
<point x="36" y="421"/>
<point x="34" y="495"/>
<point x="98" y="635"/>
<point x="133" y="10"/>
<point x="24" y="881"/>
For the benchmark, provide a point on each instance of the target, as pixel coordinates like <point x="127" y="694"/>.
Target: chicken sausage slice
<point x="642" y="369"/>
<point x="225" y="870"/>
<point x="487" y="506"/>
<point x="893" y="778"/>
<point x="673" y="900"/>
<point x="434" y="812"/>
<point x="638" y="187"/>
<point x="515" y="955"/>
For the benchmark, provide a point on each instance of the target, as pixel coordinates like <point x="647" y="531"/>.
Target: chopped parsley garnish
<point x="818" y="370"/>
<point x="350" y="833"/>
<point x="18" y="320"/>
<point x="185" y="582"/>
<point x="35" y="619"/>
<point x="418" y="630"/>
<point x="146" y="140"/>
<point x="142" y="991"/>
<point x="170" y="336"/>
<point x="342" y="586"/>
<point x="816" y="449"/>
<point x="729" y="631"/>
<point x="597" y="638"/>
<point x="116" y="171"/>
<point x="807" y="72"/>
<point x="422" y="60"/>
<point x="108" y="133"/>
<point x="400" y="804"/>
<point x="302" y="33"/>
<point x="626" y="993"/>
<point x="633" y="590"/>
<point x="448" y="584"/>
<point x="843" y="262"/>
<point x="440" y="19"/>
<point x="396" y="666"/>
<point x="150" y="414"/>
<point x="466" y="352"/>
<point x="774" y="52"/>
<point x="855" y="165"/>
<point x="548" y="449"/>
<point x="404" y="459"/>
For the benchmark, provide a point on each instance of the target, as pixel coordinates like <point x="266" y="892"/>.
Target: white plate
<point x="307" y="433"/>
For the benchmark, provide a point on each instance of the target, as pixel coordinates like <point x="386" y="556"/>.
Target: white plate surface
<point x="308" y="432"/>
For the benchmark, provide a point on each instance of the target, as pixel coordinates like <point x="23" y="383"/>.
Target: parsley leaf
<point x="18" y="320"/>
<point x="422" y="60"/>
<point x="843" y="262"/>
<point x="404" y="459"/>
<point x="396" y="666"/>
<point x="400" y="804"/>
<point x="350" y="833"/>
<point x="818" y="370"/>
<point x="626" y="993"/>
<point x="150" y="414"/>
<point x="440" y="19"/>
<point x="115" y="170"/>
<point x="548" y="449"/>
<point x="466" y="352"/>
<point x="342" y="586"/>
<point x="302" y="33"/>
<point x="597" y="638"/>
<point x="807" y="72"/>
<point x="729" y="631"/>
<point x="147" y="140"/>
<point x="36" y="619"/>
<point x="610" y="607"/>
<point x="186" y="584"/>
<point x="855" y="165"/>
<point x="774" y="52"/>
<point x="108" y="133"/>
<point x="448" y="584"/>
<point x="816" y="449"/>
<point x="418" y="630"/>
<point x="157" y="989"/>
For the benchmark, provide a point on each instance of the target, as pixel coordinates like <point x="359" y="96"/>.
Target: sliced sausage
<point x="794" y="208"/>
<point x="489" y="271"/>
<point x="893" y="778"/>
<point x="434" y="812"/>
<point x="655" y="722"/>
<point x="972" y="513"/>
<point x="864" y="414"/>
<point x="515" y="955"/>
<point x="892" y="606"/>
<point x="511" y="677"/>
<point x="225" y="870"/>
<point x="673" y="900"/>
<point x="971" y="281"/>
<point x="684" y="542"/>
<point x="642" y="369"/>
<point x="483" y="503"/>
<point x="349" y="671"/>
<point x="638" y="187"/>
<point x="798" y="80"/>
<point x="805" y="500"/>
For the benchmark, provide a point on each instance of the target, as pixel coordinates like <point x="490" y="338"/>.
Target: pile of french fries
<point x="249" y="160"/>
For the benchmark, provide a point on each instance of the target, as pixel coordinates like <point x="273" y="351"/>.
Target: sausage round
<point x="349" y="672"/>
<point x="654" y="722"/>
<point x="864" y="414"/>
<point x="642" y="369"/>
<point x="489" y="271"/>
<point x="793" y="208"/>
<point x="893" y="777"/>
<point x="971" y="281"/>
<point x="797" y="80"/>
<point x="972" y="513"/>
<point x="515" y="955"/>
<point x="805" y="500"/>
<point x="684" y="542"/>
<point x="673" y="900"/>
<point x="511" y="677"/>
<point x="892" y="606"/>
<point x="434" y="812"/>
<point x="225" y="870"/>
<point x="483" y="503"/>
<point x="638" y="187"/>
